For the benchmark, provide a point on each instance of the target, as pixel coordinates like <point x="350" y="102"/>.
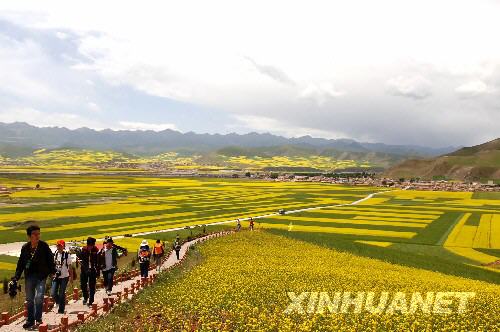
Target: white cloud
<point x="320" y="92"/>
<point x="264" y="124"/>
<point x="349" y="62"/>
<point x="48" y="119"/>
<point x="93" y="106"/>
<point x="20" y="63"/>
<point x="473" y="89"/>
<point x="61" y="35"/>
<point x="416" y="87"/>
<point x="126" y="125"/>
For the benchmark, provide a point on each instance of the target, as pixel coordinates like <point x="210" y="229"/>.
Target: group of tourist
<point x="38" y="263"/>
<point x="250" y="224"/>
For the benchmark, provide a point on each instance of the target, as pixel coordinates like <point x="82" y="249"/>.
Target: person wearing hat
<point x="144" y="257"/>
<point x="108" y="262"/>
<point x="89" y="259"/>
<point x="37" y="263"/>
<point x="64" y="273"/>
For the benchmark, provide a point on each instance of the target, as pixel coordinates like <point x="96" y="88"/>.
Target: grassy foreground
<point x="240" y="282"/>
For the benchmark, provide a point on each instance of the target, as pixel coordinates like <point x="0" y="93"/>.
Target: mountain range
<point x="21" y="138"/>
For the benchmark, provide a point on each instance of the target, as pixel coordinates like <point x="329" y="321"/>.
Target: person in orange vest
<point x="158" y="253"/>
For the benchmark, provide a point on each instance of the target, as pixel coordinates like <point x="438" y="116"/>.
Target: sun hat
<point x="61" y="243"/>
<point x="144" y="243"/>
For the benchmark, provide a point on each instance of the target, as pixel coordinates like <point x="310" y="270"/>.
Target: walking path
<point x="74" y="308"/>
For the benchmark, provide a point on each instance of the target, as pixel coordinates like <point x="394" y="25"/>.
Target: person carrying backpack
<point x="158" y="253"/>
<point x="64" y="273"/>
<point x="144" y="257"/>
<point x="238" y="225"/>
<point x="89" y="258"/>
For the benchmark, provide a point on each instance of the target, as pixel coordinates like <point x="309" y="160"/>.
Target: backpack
<point x="89" y="258"/>
<point x="143" y="256"/>
<point x="158" y="250"/>
<point x="64" y="257"/>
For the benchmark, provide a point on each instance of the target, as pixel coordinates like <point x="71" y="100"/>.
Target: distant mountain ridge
<point x="469" y="163"/>
<point x="20" y="137"/>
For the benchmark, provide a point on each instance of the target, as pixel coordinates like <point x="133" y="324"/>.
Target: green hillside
<point x="480" y="162"/>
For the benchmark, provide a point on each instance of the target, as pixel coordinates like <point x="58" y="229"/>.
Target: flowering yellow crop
<point x="244" y="280"/>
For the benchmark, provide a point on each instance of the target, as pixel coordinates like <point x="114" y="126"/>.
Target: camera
<point x="14" y="288"/>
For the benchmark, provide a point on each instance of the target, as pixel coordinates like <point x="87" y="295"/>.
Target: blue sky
<point x="399" y="72"/>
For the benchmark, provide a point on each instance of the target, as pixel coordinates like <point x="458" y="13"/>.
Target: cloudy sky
<point x="401" y="72"/>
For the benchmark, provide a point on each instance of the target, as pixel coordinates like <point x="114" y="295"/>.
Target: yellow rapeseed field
<point x="243" y="280"/>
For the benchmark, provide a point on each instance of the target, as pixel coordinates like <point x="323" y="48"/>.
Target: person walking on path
<point x="251" y="223"/>
<point x="108" y="263"/>
<point x="158" y="253"/>
<point x="37" y="263"/>
<point x="89" y="258"/>
<point x="238" y="225"/>
<point x="177" y="247"/>
<point x="144" y="257"/>
<point x="64" y="273"/>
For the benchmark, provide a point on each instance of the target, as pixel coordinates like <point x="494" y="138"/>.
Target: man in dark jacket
<point x="177" y="247"/>
<point x="37" y="263"/>
<point x="108" y="262"/>
<point x="89" y="260"/>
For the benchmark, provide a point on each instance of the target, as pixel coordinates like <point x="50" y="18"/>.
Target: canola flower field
<point x="458" y="231"/>
<point x="74" y="207"/>
<point x="241" y="283"/>
<point x="460" y="226"/>
<point x="317" y="162"/>
<point x="83" y="160"/>
<point x="396" y="241"/>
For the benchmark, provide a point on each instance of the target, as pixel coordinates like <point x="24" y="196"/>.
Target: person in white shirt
<point x="64" y="273"/>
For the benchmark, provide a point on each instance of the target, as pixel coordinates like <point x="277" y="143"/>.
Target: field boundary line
<point x="454" y="227"/>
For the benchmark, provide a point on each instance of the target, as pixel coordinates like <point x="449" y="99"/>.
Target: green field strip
<point x="342" y="230"/>
<point x="350" y="222"/>
<point x="341" y="210"/>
